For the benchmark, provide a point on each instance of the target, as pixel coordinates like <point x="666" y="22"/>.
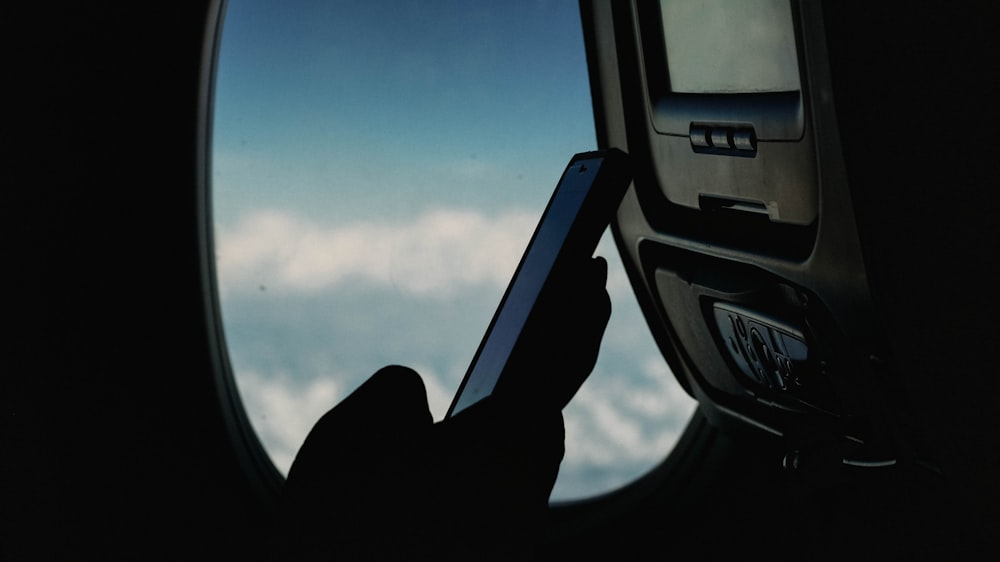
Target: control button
<point x="792" y="371"/>
<point x="699" y="137"/>
<point x="760" y="346"/>
<point x="720" y="139"/>
<point x="779" y="381"/>
<point x="782" y="365"/>
<point x="741" y="328"/>
<point x="744" y="140"/>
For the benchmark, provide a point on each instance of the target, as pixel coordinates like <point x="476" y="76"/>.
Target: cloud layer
<point x="438" y="252"/>
<point x="340" y="285"/>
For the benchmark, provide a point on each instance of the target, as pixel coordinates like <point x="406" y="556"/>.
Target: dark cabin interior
<point x="122" y="437"/>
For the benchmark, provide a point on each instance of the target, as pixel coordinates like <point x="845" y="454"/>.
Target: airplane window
<point x="378" y="168"/>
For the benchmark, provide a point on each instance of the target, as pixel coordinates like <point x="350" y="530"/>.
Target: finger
<point x="600" y="267"/>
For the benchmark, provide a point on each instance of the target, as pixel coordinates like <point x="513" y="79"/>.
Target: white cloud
<point x="613" y="421"/>
<point x="622" y="422"/>
<point x="617" y="427"/>
<point x="435" y="254"/>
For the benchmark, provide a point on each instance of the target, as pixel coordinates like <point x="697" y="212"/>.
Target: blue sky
<point x="377" y="171"/>
<point x="415" y="95"/>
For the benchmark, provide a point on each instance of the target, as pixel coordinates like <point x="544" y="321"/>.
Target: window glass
<point x="378" y="168"/>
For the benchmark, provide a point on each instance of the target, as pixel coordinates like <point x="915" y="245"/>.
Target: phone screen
<point x="577" y="214"/>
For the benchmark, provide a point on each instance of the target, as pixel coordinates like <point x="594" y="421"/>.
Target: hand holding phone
<point x="558" y="348"/>
<point x="543" y="340"/>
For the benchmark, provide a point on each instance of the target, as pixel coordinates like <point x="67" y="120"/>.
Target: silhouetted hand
<point x="377" y="479"/>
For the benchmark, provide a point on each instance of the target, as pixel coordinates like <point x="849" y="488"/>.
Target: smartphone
<point x="580" y="209"/>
